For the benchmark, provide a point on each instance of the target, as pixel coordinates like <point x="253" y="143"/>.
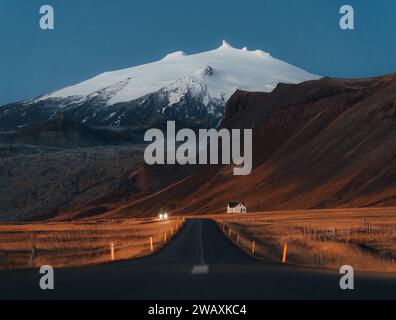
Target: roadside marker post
<point x="253" y="246"/>
<point x="112" y="251"/>
<point x="164" y="236"/>
<point x="172" y="231"/>
<point x="229" y="232"/>
<point x="238" y="238"/>
<point x="151" y="244"/>
<point x="284" y="253"/>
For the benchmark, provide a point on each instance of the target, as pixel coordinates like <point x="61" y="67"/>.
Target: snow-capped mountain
<point x="191" y="89"/>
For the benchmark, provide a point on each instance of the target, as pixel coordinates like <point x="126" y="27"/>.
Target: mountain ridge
<point x="59" y="132"/>
<point x="327" y="143"/>
<point x="190" y="89"/>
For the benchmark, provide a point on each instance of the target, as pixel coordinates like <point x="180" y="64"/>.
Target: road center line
<point x="200" y="269"/>
<point x="201" y="244"/>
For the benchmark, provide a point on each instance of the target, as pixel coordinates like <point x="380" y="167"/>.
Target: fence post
<point x="284" y="253"/>
<point x="253" y="246"/>
<point x="112" y="251"/>
<point x="34" y="248"/>
<point x="33" y="252"/>
<point x="151" y="244"/>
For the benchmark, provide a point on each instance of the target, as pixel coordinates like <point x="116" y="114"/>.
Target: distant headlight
<point x="165" y="216"/>
<point x="161" y="216"/>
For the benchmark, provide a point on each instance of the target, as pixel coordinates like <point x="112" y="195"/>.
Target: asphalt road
<point x="199" y="263"/>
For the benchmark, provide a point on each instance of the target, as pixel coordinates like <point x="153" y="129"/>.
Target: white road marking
<point x="200" y="269"/>
<point x="201" y="244"/>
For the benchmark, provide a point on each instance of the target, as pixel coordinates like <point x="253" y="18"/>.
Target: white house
<point x="236" y="207"/>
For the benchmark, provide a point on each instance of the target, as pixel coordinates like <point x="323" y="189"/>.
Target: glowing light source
<point x="163" y="216"/>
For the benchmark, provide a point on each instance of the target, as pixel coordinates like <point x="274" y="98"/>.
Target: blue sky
<point x="92" y="36"/>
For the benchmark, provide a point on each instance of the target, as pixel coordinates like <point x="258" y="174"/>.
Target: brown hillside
<point x="318" y="144"/>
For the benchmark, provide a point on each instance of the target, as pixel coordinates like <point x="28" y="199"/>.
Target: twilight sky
<point x="93" y="36"/>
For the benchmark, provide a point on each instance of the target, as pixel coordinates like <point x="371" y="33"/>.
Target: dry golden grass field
<point x="363" y="238"/>
<point x="329" y="238"/>
<point x="65" y="244"/>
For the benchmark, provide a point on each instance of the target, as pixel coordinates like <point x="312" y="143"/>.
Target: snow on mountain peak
<point x="225" y="45"/>
<point x="221" y="72"/>
<point x="174" y="55"/>
<point x="205" y="71"/>
<point x="261" y="53"/>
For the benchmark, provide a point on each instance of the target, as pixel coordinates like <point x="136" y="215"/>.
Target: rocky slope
<point x="40" y="183"/>
<point x="318" y="144"/>
<point x="63" y="133"/>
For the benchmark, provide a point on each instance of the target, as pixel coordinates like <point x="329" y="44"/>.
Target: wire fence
<point x="359" y="237"/>
<point x="87" y="243"/>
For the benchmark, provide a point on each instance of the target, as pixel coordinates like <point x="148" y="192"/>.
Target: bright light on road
<point x="163" y="216"/>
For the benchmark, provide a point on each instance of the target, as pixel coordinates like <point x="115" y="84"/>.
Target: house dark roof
<point x="234" y="204"/>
